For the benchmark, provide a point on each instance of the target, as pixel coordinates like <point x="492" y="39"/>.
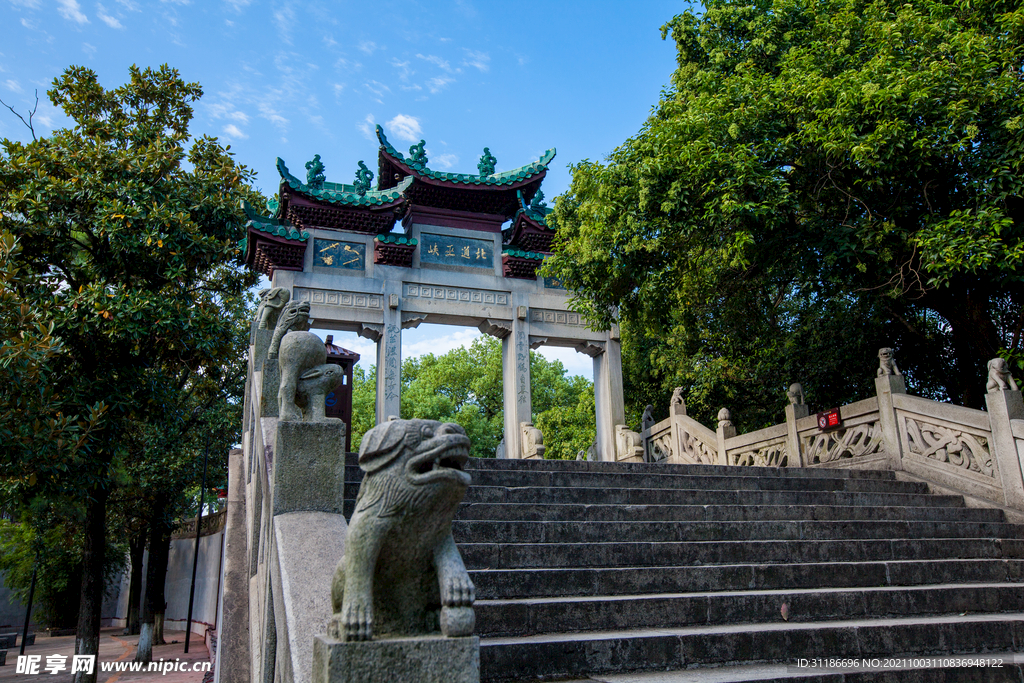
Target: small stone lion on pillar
<point x="401" y="574"/>
<point x="999" y="377"/>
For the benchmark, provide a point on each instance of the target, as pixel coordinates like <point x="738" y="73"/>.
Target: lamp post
<point x="195" y="555"/>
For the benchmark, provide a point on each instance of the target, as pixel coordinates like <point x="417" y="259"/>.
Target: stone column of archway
<point x="609" y="408"/>
<point x="515" y="362"/>
<point x="389" y="357"/>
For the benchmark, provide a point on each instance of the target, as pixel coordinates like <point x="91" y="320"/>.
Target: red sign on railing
<point x="830" y="419"/>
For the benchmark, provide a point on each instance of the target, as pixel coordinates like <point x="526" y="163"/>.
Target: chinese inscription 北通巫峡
<point x="456" y="251"/>
<point x="522" y="367"/>
<point x="391" y="367"/>
<point x="335" y="254"/>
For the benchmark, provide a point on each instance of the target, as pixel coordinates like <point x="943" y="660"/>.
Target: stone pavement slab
<point x="115" y="650"/>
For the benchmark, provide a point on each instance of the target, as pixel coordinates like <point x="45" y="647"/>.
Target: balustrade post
<point x="889" y="381"/>
<point x="1004" y="404"/>
<point x="726" y="430"/>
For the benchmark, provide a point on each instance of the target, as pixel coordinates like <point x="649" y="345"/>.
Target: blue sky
<point x="294" y="78"/>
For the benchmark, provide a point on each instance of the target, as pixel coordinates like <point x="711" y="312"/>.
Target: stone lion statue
<point x="795" y="393"/>
<point x="999" y="377"/>
<point x="887" y="363"/>
<point x="401" y="573"/>
<point x="271" y="303"/>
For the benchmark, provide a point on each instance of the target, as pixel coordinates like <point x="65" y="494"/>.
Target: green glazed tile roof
<point x="396" y="239"/>
<point x="272" y="226"/>
<point x="536" y="216"/>
<point x="519" y="253"/>
<point x="503" y="178"/>
<point x="344" y="195"/>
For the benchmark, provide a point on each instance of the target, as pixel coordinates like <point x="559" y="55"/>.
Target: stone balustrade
<point x="976" y="453"/>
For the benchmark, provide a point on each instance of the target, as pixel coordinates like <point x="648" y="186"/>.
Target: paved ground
<point x="113" y="648"/>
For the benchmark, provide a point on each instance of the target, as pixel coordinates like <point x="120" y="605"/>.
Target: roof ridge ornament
<point x="417" y="153"/>
<point x="364" y="177"/>
<point x="537" y="204"/>
<point x="487" y="163"/>
<point x="315" y="173"/>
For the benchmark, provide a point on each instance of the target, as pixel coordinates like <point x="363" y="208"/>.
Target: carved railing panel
<point x="696" y="449"/>
<point x="774" y="454"/>
<point x="678" y="440"/>
<point x="947" y="444"/>
<point x="857" y="441"/>
<point x="658" y="445"/>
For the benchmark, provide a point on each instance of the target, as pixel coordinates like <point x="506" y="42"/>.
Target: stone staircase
<point x="588" y="571"/>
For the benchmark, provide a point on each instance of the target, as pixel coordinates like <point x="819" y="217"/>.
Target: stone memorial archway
<point x="332" y="245"/>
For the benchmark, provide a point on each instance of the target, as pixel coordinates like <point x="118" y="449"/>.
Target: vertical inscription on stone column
<point x="522" y="366"/>
<point x="391" y="362"/>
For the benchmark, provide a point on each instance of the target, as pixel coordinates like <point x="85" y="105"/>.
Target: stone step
<point x="470" y="531"/>
<point x="625" y="554"/>
<point x="577" y="654"/>
<point x="990" y="667"/>
<point x="520" y="617"/>
<point x="618" y="496"/>
<point x="493" y="584"/>
<point x="479" y="464"/>
<point x="738" y="479"/>
<point x="708" y="513"/>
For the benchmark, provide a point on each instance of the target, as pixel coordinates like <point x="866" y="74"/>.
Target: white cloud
<point x="405" y="127"/>
<point x="233" y="131"/>
<point x="378" y="89"/>
<point x="177" y="2"/>
<point x="88" y="49"/>
<point x="272" y="115"/>
<point x="110" y="21"/>
<point x="27" y="24"/>
<point x="28" y="4"/>
<point x="226" y="110"/>
<point x="443" y="160"/>
<point x="367" y="126"/>
<point x="285" y="20"/>
<point x="344" y="64"/>
<point x="575" y="363"/>
<point x="436" y="339"/>
<point x="436" y="85"/>
<point x="238" y="5"/>
<point x="72" y="11"/>
<point x="129" y="5"/>
<point x="403" y="69"/>
<point x="480" y="60"/>
<point x="436" y="61"/>
<point x="369" y="47"/>
<point x="14" y="86"/>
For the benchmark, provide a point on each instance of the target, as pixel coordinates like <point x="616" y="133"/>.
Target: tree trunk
<point x="151" y="631"/>
<point x="975" y="339"/>
<point x="136" y="550"/>
<point x="87" y="639"/>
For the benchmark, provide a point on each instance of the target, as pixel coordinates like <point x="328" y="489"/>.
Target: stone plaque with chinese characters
<point x="456" y="251"/>
<point x="335" y="254"/>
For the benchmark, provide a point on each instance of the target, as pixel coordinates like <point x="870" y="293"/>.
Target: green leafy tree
<point x="132" y="227"/>
<point x="465" y="386"/>
<point x="820" y="179"/>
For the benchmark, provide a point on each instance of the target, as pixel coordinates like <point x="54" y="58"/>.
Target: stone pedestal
<point x="309" y="466"/>
<point x="426" y="659"/>
<point x="260" y="345"/>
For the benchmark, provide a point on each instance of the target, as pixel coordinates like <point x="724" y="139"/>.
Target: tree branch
<point x="28" y="124"/>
